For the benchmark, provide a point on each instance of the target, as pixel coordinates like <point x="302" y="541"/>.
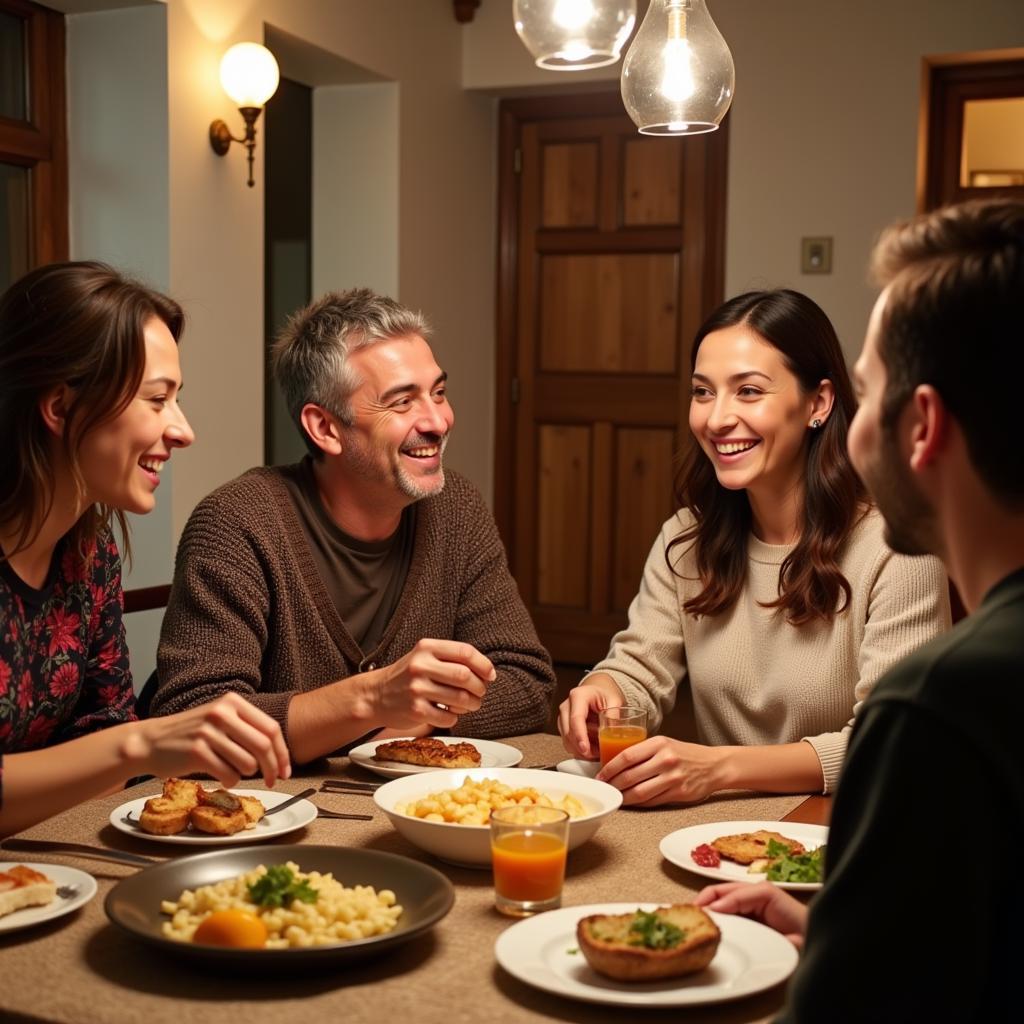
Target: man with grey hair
<point x="363" y="590"/>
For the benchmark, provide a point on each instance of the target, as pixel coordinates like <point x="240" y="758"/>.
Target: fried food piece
<point x="253" y="809"/>
<point x="217" y="821"/>
<point x="747" y="847"/>
<point x="163" y="817"/>
<point x="221" y="798"/>
<point x="184" y="792"/>
<point x="665" y="943"/>
<point x="430" y="752"/>
<point x="21" y="887"/>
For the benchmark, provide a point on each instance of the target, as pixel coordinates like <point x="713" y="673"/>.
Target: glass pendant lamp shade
<point x="574" y="35"/>
<point x="678" y="76"/>
<point x="249" y="74"/>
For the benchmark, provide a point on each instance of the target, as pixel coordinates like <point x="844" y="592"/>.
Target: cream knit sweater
<point x="755" y="678"/>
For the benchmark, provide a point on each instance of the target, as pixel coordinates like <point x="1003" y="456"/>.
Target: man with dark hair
<point x="363" y="590"/>
<point x="920" y="916"/>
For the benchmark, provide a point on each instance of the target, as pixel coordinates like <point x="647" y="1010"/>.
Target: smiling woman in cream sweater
<point x="772" y="591"/>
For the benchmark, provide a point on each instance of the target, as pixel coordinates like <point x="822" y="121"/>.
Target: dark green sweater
<point x="922" y="914"/>
<point x="249" y="612"/>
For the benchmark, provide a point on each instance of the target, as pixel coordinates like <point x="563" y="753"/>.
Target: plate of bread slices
<point x="33" y="893"/>
<point x="410" y="755"/>
<point x="789" y="853"/>
<point x="187" y="812"/>
<point x="630" y="954"/>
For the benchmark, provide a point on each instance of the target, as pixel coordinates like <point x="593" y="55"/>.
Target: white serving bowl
<point x="470" y="845"/>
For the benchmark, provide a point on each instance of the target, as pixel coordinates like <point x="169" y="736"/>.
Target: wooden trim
<point x="145" y="599"/>
<point x="815" y="810"/>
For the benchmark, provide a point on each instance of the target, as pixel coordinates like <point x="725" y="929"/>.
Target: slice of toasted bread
<point x="747" y="847"/>
<point x="183" y="792"/>
<point x="22" y="887"/>
<point x="429" y="752"/>
<point x="217" y="821"/>
<point x="613" y="948"/>
<point x="162" y="816"/>
<point x="253" y="810"/>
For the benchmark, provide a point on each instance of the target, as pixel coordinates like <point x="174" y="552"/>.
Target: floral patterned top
<point x="63" y="659"/>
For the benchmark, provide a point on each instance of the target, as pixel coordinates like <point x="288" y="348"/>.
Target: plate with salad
<point x="789" y="853"/>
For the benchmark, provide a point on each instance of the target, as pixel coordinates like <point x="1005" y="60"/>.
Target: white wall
<point x="118" y="197"/>
<point x="823" y="133"/>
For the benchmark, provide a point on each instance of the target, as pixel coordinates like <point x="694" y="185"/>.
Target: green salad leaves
<point x="646" y="929"/>
<point x="279" y="887"/>
<point x="795" y="867"/>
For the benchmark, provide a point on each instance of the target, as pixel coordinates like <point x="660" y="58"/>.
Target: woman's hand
<point x="577" y="714"/>
<point x="762" y="902"/>
<point x="662" y="770"/>
<point x="227" y="738"/>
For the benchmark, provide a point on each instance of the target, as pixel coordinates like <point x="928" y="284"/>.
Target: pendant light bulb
<point x="574" y="35"/>
<point x="678" y="77"/>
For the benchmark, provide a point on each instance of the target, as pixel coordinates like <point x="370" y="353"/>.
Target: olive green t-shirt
<point x="364" y="579"/>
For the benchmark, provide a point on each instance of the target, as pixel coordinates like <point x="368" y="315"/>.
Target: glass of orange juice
<point x="528" y="847"/>
<point x="618" y="728"/>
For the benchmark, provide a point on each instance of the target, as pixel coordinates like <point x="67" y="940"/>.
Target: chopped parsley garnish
<point x="648" y="930"/>
<point x="794" y="867"/>
<point x="278" y="887"/>
<point x="572" y="952"/>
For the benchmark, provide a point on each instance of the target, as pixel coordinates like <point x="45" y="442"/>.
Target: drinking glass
<point x="618" y="728"/>
<point x="528" y="847"/>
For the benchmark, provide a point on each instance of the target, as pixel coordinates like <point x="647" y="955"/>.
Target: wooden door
<point x="611" y="252"/>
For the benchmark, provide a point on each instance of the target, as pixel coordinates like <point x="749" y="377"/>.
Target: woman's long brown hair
<point x="78" y="324"/>
<point x="810" y="583"/>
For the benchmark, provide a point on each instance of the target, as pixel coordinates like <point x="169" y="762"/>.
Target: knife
<point x="78" y="850"/>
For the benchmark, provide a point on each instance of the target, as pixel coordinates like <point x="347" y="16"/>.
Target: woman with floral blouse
<point x="89" y="382"/>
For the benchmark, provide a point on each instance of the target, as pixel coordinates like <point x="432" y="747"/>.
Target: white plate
<point x="677" y="846"/>
<point x="288" y="820"/>
<point x="577" y="766"/>
<point x="537" y="951"/>
<point x="492" y="755"/>
<point x="59" y="907"/>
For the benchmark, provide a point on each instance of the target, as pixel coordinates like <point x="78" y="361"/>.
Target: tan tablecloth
<point x="81" y="969"/>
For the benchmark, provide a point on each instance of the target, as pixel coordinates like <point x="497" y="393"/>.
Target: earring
<point x="815" y="424"/>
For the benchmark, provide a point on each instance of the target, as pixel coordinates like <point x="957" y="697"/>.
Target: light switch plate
<point x="816" y="255"/>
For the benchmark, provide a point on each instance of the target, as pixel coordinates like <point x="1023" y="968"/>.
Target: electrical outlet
<point x="816" y="255"/>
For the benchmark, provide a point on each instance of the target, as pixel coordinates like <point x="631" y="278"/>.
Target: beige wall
<point x="822" y="142"/>
<point x="823" y="133"/>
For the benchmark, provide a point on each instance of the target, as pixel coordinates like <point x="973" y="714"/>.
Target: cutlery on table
<point x="78" y="850"/>
<point x="322" y="812"/>
<point x="343" y="785"/>
<point x="288" y="803"/>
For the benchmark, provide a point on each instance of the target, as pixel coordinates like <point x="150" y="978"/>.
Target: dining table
<point x="82" y="969"/>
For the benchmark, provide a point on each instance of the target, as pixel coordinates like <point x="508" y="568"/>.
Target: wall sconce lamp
<point x="249" y="75"/>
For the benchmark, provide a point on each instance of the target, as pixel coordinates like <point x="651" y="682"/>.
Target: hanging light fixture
<point x="574" y="35"/>
<point x="678" y="76"/>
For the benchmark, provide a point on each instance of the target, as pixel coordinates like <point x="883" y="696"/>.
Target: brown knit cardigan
<point x="249" y="612"/>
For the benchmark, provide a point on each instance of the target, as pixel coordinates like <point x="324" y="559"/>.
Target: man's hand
<point x="762" y="902"/>
<point x="577" y="714"/>
<point x="435" y="683"/>
<point x="227" y="738"/>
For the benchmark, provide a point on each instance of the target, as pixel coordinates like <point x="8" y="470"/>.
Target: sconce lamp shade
<point x="678" y="76"/>
<point x="249" y="74"/>
<point x="574" y="35"/>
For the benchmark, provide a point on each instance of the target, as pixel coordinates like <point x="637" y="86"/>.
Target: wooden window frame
<point x="40" y="143"/>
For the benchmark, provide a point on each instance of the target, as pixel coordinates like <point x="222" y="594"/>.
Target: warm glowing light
<point x="249" y="74"/>
<point x="677" y="81"/>
<point x="573" y="13"/>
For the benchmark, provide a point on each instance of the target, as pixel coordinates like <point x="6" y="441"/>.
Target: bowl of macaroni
<point x="446" y="812"/>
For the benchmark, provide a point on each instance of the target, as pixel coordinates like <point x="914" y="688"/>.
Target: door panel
<point x="610" y="257"/>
